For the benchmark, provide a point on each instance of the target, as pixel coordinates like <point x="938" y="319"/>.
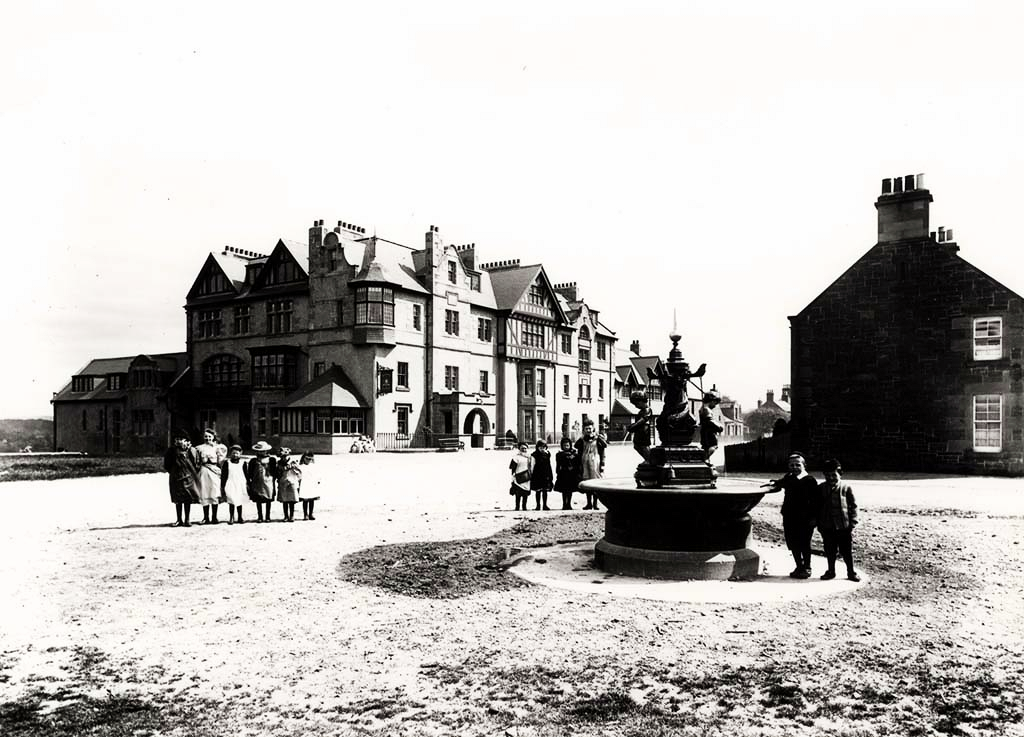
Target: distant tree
<point x="761" y="421"/>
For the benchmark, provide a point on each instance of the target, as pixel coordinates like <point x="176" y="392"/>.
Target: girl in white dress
<point x="211" y="455"/>
<point x="234" y="487"/>
<point x="309" y="489"/>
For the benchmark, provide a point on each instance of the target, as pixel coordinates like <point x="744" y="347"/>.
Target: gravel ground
<point x="391" y="614"/>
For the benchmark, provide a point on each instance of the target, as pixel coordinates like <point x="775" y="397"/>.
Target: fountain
<point x="674" y="519"/>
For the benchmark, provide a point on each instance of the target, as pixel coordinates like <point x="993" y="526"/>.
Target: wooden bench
<point x="445" y="445"/>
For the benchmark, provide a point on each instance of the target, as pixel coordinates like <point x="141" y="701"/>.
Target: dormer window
<point x="115" y="382"/>
<point x="83" y="383"/>
<point x="452" y="272"/>
<point x="214" y="282"/>
<point x="536" y="296"/>
<point x="282" y="272"/>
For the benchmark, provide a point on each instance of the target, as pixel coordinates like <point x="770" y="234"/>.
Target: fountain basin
<point x="677" y="532"/>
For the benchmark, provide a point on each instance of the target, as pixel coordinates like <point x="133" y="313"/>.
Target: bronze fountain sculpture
<point x="673" y="520"/>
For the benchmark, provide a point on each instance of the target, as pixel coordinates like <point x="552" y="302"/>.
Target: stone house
<point x="910" y="359"/>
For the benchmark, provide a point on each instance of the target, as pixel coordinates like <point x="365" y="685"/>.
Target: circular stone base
<point x="676" y="565"/>
<point x="570" y="566"/>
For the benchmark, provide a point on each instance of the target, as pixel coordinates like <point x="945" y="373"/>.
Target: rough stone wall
<point x="883" y="370"/>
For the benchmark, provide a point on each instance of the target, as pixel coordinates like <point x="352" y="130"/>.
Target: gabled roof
<point x="388" y="263"/>
<point x="221" y="263"/>
<point x="174" y="363"/>
<point x="510" y="284"/>
<point x="332" y="388"/>
<point x="298" y="251"/>
<point x="642" y="363"/>
<point x="233" y="268"/>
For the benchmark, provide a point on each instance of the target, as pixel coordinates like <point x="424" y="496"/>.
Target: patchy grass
<point x="49" y="467"/>
<point x="458" y="568"/>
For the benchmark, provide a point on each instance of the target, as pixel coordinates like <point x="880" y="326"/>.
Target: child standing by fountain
<point x="520" y="469"/>
<point x="836" y="520"/>
<point x="541" y="476"/>
<point x="567" y="470"/>
<point x="799" y="505"/>
<point x="591" y="458"/>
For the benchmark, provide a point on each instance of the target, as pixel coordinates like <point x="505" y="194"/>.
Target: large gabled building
<point x="348" y="334"/>
<point x="911" y="359"/>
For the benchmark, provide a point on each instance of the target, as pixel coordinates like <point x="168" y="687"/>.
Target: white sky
<point x="718" y="158"/>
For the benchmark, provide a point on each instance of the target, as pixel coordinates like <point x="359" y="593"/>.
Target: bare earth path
<point x="114" y="623"/>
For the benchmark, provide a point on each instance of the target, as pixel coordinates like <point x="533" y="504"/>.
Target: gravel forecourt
<point x="392" y="614"/>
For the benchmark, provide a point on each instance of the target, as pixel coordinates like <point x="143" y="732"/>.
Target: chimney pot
<point x="909" y="183"/>
<point x="897" y="185"/>
<point x="920" y="181"/>
<point x="949" y="234"/>
<point x="886" y="186"/>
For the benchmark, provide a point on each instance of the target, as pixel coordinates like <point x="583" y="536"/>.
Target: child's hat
<point x="285" y="451"/>
<point x="236" y="446"/>
<point x="262" y="446"/>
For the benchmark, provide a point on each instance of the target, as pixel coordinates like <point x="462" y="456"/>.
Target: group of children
<point x="211" y="474"/>
<point x="574" y="462"/>
<point x="830" y="507"/>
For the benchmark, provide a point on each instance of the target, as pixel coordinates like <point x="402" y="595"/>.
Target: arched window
<point x="222" y="370"/>
<point x="584" y="333"/>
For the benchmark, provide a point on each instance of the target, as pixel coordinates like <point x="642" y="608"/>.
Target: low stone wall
<point x="763" y="454"/>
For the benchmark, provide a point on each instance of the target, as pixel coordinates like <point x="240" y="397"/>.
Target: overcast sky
<point x="722" y="159"/>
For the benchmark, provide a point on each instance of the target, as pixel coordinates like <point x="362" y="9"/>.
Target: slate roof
<point x="388" y="262"/>
<point x="510" y="284"/>
<point x="100" y="367"/>
<point x="332" y="388"/>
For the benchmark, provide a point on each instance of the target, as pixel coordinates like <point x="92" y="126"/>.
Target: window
<point x="529" y="431"/>
<point x="654" y="392"/>
<point x="403" y="419"/>
<point x="214" y="282"/>
<point x="584" y="332"/>
<point x="142" y="421"/>
<point x="115" y="382"/>
<point x="584" y="392"/>
<point x="566" y="344"/>
<point x="541" y="383"/>
<point x="318" y="368"/>
<point x="273" y="370"/>
<point x="403" y="375"/>
<point x="222" y="371"/>
<point x="565" y="423"/>
<point x="528" y="383"/>
<point x="85" y="420"/>
<point x="102" y="419"/>
<point x="375" y="306"/>
<point x="533" y="335"/>
<point x="541" y="419"/>
<point x="600" y="388"/>
<point x="536" y="296"/>
<point x="451" y="322"/>
<point x="261" y="421"/>
<point x="339" y="312"/>
<point x="484" y="382"/>
<point x="584" y="360"/>
<point x="483" y="329"/>
<point x="208" y="419"/>
<point x="988" y="423"/>
<point x="348" y="421"/>
<point x="282" y="272"/>
<point x="474" y="282"/>
<point x="565" y="385"/>
<point x="83" y="383"/>
<point x="988" y="338"/>
<point x="209" y="323"/>
<point x="142" y="378"/>
<point x="451" y="378"/>
<point x="452" y="272"/>
<point x="602" y="351"/>
<point x="275" y="422"/>
<point x="417" y="317"/>
<point x="241" y="319"/>
<point x="279" y="316"/>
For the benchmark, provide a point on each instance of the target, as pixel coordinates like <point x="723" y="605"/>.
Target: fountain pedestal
<point x="680" y="532"/>
<point x="676" y="464"/>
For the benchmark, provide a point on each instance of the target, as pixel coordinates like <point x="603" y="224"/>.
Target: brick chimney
<point x="634" y="347"/>
<point x="903" y="209"/>
<point x="770" y="397"/>
<point x="568" y="290"/>
<point x="434" y="246"/>
<point x="785" y="393"/>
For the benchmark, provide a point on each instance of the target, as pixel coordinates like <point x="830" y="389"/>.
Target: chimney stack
<point x="568" y="290"/>
<point x="770" y="396"/>
<point x="903" y="209"/>
<point x="634" y="347"/>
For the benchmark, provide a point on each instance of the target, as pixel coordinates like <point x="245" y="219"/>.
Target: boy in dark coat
<point x="799" y="507"/>
<point x="541" y="476"/>
<point x="836" y="519"/>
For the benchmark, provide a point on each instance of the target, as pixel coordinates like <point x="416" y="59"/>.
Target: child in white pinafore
<point x="309" y="489"/>
<point x="233" y="484"/>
